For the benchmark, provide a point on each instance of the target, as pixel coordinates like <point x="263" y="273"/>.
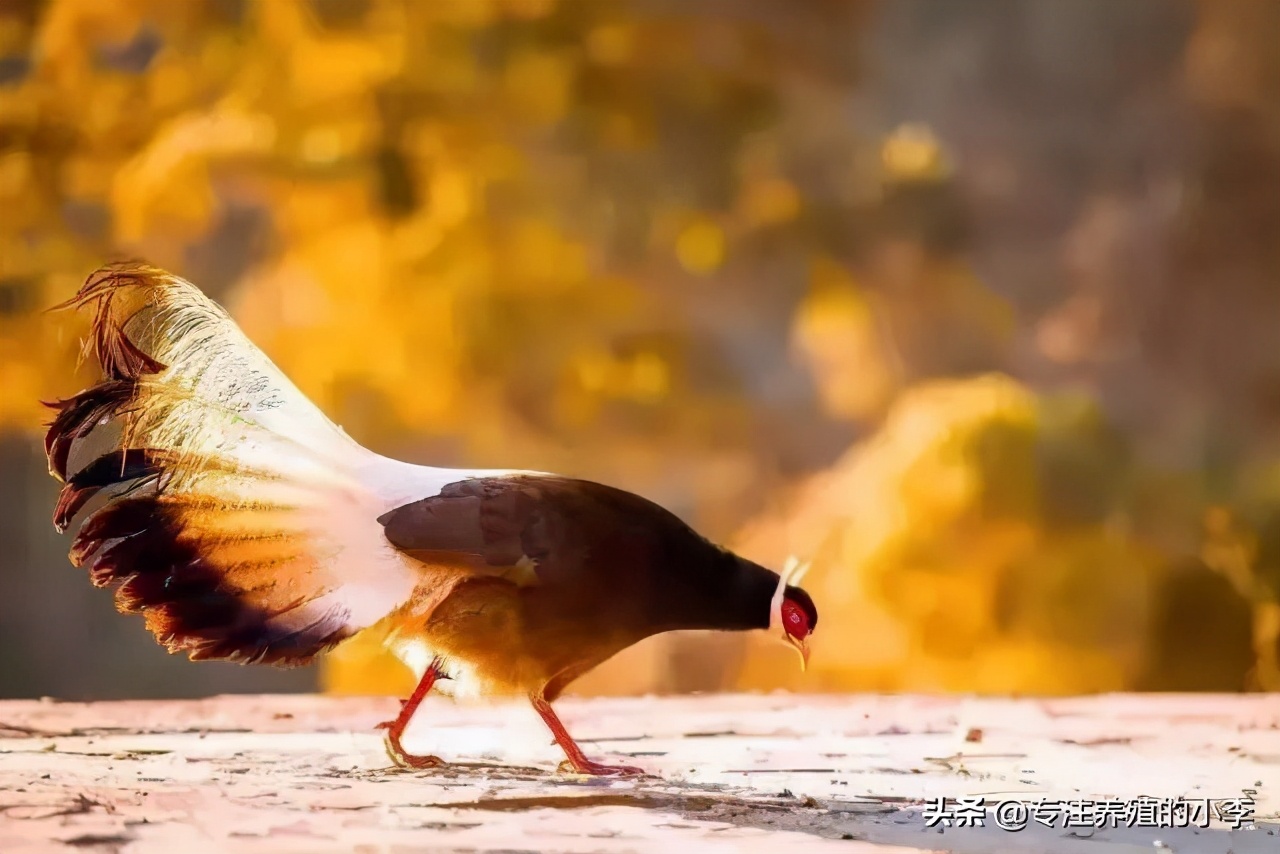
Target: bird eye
<point x="794" y="620"/>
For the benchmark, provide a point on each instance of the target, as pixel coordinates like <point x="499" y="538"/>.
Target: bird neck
<point x="725" y="593"/>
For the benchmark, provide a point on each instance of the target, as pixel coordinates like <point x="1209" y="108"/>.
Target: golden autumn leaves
<point x="553" y="233"/>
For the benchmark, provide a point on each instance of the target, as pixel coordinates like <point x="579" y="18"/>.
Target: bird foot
<point x="402" y="757"/>
<point x="596" y="769"/>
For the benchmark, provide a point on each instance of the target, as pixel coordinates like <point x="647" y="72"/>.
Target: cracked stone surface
<point x="730" y="773"/>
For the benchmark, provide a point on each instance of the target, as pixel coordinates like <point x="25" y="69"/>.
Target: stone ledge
<point x="732" y="773"/>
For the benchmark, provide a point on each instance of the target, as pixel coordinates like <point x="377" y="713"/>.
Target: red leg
<point x="395" y="728"/>
<point x="577" y="760"/>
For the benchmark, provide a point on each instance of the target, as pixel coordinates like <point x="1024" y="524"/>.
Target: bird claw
<point x="417" y="763"/>
<point x="405" y="759"/>
<point x="402" y="757"/>
<point x="596" y="769"/>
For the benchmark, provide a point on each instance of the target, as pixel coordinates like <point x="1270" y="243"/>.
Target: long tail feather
<point x="235" y="514"/>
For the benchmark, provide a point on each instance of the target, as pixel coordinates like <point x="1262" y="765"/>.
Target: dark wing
<point x="585" y="549"/>
<point x="531" y="529"/>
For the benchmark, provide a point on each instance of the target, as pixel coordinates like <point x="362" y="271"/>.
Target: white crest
<point x="792" y="571"/>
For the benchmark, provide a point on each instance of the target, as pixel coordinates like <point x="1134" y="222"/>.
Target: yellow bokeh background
<point x="657" y="246"/>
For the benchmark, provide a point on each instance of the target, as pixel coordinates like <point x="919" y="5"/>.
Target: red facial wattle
<point x="795" y="622"/>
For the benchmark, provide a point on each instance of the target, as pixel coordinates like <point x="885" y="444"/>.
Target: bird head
<point x="792" y="611"/>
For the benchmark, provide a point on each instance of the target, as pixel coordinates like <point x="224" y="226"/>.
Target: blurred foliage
<point x="979" y="525"/>
<point x="655" y="244"/>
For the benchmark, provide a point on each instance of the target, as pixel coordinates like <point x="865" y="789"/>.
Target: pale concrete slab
<point x="731" y="773"/>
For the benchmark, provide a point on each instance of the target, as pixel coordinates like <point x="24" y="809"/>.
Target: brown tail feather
<point x="131" y="466"/>
<point x="168" y="576"/>
<point x="251" y="541"/>
<point x="119" y="357"/>
<point x="77" y="416"/>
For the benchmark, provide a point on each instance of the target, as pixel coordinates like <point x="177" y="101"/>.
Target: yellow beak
<point x="801" y="647"/>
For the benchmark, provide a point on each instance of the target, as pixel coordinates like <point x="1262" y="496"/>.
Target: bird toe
<point x="597" y="769"/>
